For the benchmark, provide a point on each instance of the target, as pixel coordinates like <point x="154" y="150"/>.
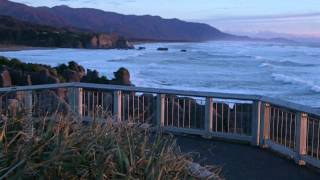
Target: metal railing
<point x="288" y="128"/>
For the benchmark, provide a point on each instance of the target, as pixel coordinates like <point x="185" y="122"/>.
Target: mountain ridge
<point x="133" y="27"/>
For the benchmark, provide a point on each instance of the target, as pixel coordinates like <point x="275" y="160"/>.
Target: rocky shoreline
<point x="16" y="73"/>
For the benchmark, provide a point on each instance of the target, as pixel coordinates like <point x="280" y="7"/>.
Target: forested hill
<point x="130" y="26"/>
<point x="17" y="32"/>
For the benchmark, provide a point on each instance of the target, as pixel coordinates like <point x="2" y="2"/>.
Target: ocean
<point x="287" y="71"/>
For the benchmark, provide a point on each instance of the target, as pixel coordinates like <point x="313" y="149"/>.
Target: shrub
<point x="64" y="148"/>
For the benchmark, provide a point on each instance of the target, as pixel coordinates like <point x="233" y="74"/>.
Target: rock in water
<point x="163" y="49"/>
<point x="122" y="77"/>
<point x="141" y="48"/>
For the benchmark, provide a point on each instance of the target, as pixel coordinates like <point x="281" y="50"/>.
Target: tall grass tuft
<point x="64" y="148"/>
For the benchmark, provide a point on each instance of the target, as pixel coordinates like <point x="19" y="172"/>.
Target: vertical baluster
<point x="172" y="111"/>
<point x="128" y="107"/>
<point x="301" y="137"/>
<point x="308" y="128"/>
<point x="133" y="107"/>
<point x="138" y="99"/>
<point x="208" y="115"/>
<point x="294" y="126"/>
<point x="123" y="101"/>
<point x="189" y="113"/>
<point x="281" y="127"/>
<point x="195" y="114"/>
<point x="160" y="109"/>
<point x="216" y="114"/>
<point x="84" y="102"/>
<point x="235" y="118"/>
<point x="222" y="118"/>
<point x="272" y="121"/>
<point x="278" y="116"/>
<point x="93" y="105"/>
<point x="255" y="122"/>
<point x="286" y="130"/>
<point x="88" y="104"/>
<point x="98" y="107"/>
<point x="117" y="103"/>
<point x="104" y="109"/>
<point x="318" y="142"/>
<point x="178" y="112"/>
<point x="143" y="111"/>
<point x="167" y="112"/>
<point x="265" y="124"/>
<point x="241" y="119"/>
<point x="312" y="137"/>
<point x="228" y="123"/>
<point x="291" y="123"/>
<point x="184" y="112"/>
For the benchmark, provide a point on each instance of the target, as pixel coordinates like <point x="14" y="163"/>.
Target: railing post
<point x="160" y="110"/>
<point x="117" y="103"/>
<point x="75" y="96"/>
<point x="208" y="116"/>
<point x="28" y="103"/>
<point x="301" y="137"/>
<point x="265" y="124"/>
<point x="255" y="124"/>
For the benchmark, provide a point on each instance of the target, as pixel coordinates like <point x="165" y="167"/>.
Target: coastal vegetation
<point x="60" y="147"/>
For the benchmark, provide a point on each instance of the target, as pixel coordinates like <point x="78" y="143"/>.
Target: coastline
<point x="7" y="48"/>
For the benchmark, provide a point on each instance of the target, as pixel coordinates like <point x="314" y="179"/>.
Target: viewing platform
<point x="264" y="123"/>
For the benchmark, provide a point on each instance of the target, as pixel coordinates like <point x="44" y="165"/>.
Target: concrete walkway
<point x="244" y="162"/>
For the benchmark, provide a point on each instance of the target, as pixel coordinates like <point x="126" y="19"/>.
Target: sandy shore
<point x="4" y="48"/>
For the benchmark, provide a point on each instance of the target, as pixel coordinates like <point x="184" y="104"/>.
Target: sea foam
<point x="296" y="80"/>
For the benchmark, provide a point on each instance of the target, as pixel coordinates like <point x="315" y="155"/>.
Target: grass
<point x="64" y="148"/>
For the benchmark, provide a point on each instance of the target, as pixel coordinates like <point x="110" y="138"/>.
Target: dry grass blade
<point x="64" y="148"/>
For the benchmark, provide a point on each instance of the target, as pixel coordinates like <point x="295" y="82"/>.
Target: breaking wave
<point x="296" y="80"/>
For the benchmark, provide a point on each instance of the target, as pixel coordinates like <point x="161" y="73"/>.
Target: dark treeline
<point x="16" y="32"/>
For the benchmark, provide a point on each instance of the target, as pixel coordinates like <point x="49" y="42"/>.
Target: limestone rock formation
<point x="105" y="41"/>
<point x="122" y="77"/>
<point x="15" y="73"/>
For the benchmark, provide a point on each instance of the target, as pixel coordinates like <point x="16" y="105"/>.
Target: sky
<point x="248" y="17"/>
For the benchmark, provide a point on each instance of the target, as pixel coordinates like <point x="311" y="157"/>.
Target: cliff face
<point x="106" y="41"/>
<point x="18" y="32"/>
